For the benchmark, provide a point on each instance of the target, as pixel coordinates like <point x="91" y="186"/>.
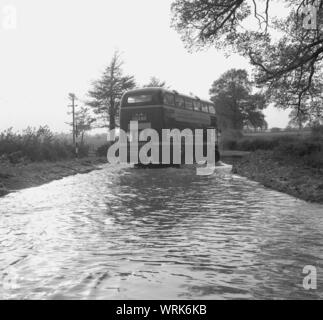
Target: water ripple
<point x="167" y="233"/>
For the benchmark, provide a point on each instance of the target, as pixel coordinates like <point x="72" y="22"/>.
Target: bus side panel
<point x="186" y="119"/>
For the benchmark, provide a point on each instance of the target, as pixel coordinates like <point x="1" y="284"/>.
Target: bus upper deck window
<point x="137" y="99"/>
<point x="205" y="107"/>
<point x="212" y="109"/>
<point x="169" y="99"/>
<point x="189" y="104"/>
<point x="180" y="102"/>
<point x="197" y="105"/>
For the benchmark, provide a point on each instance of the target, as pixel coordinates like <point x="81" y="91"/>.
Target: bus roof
<point x="159" y="89"/>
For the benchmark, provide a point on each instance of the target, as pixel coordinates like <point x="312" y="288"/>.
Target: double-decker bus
<point x="159" y="109"/>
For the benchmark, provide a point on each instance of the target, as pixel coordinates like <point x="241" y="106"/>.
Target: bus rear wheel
<point x="217" y="155"/>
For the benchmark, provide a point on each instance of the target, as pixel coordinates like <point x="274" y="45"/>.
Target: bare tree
<point x="84" y="121"/>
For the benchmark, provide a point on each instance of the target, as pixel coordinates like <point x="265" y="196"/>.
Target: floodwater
<point x="126" y="233"/>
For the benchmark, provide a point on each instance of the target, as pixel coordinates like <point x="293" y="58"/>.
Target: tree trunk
<point x="112" y="118"/>
<point x="300" y="125"/>
<point x="82" y="138"/>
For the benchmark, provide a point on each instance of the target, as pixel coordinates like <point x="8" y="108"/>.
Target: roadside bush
<point x="315" y="159"/>
<point x="33" y="144"/>
<point x="307" y="149"/>
<point x="229" y="139"/>
<point x="298" y="148"/>
<point x="64" y="150"/>
<point x="256" y="144"/>
<point x="102" y="150"/>
<point x="229" y="144"/>
<point x="84" y="150"/>
<point x="317" y="131"/>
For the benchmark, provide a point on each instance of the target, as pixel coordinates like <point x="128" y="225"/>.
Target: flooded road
<point x="125" y="233"/>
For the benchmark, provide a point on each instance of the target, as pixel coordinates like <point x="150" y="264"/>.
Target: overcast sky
<point x="61" y="46"/>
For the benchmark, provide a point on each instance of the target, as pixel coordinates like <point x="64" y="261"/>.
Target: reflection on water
<point x="125" y="233"/>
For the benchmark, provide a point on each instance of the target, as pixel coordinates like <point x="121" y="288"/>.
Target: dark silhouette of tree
<point x="84" y="121"/>
<point x="155" y="83"/>
<point x="301" y="119"/>
<point x="106" y="92"/>
<point x="235" y="104"/>
<point x="289" y="68"/>
<point x="256" y="120"/>
<point x="297" y="119"/>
